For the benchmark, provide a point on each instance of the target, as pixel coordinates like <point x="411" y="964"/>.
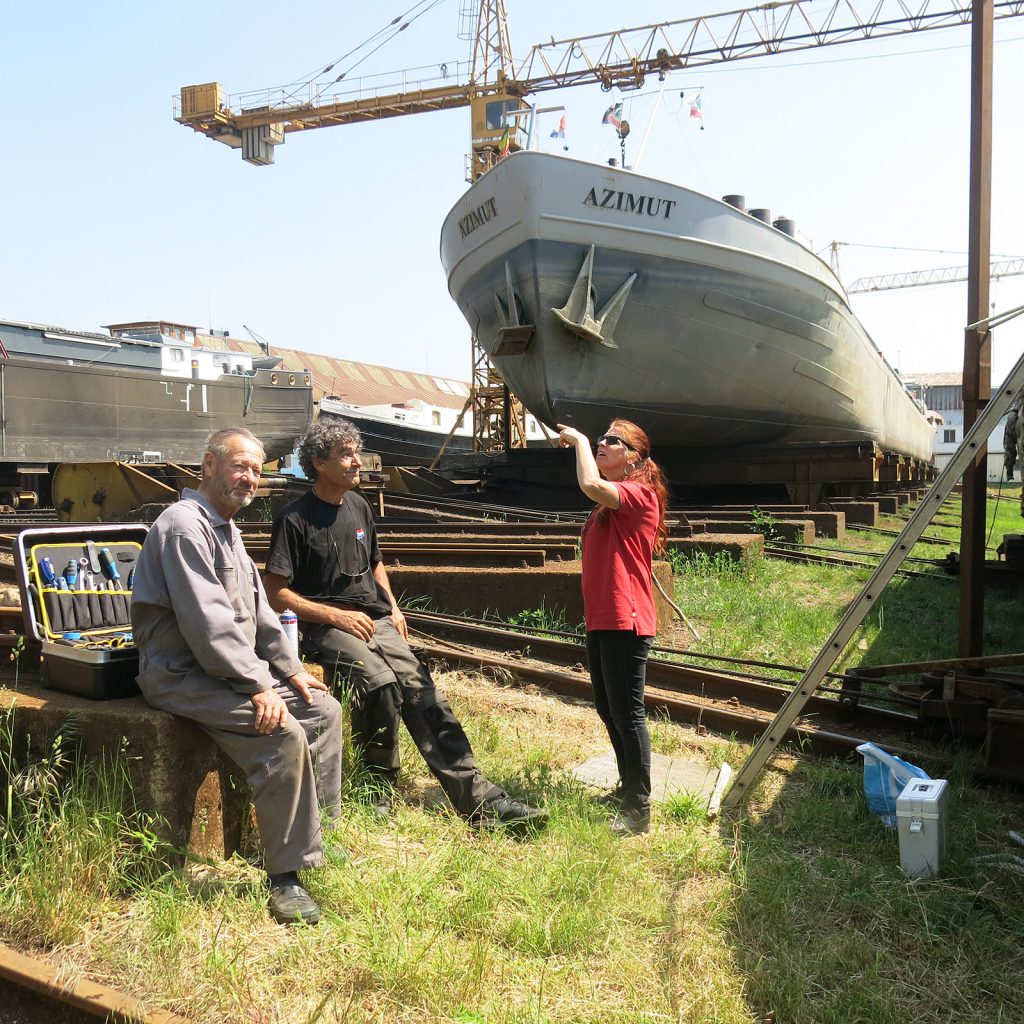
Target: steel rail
<point x="52" y="985"/>
<point x="856" y="527"/>
<point x="577" y="639"/>
<point x="669" y="676"/>
<point x="809" y="557"/>
<point x="814" y="548"/>
<point x="726" y="720"/>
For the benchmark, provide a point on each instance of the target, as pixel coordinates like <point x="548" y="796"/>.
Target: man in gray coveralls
<point x="212" y="649"/>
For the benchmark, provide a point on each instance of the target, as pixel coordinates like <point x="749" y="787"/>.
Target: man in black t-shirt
<point x="324" y="564"/>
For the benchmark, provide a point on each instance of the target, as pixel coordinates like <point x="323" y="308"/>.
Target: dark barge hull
<point x="399" y="444"/>
<point x="57" y="412"/>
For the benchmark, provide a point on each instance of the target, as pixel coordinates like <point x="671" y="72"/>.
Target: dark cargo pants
<point x="386" y="682"/>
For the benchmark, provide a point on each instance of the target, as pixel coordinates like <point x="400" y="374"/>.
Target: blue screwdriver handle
<point x="46" y="570"/>
<point x="108" y="564"/>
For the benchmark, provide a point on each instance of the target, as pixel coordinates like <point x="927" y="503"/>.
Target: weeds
<point x="71" y="845"/>
<point x="687" y="806"/>
<point x="765" y="524"/>
<point x="552" y="619"/>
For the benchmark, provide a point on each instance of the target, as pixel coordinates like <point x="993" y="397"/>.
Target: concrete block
<point x="863" y="513"/>
<point x="826" y="524"/>
<point x="740" y="547"/>
<point x="888" y="504"/>
<point x="177" y="772"/>
<point x="670" y="776"/>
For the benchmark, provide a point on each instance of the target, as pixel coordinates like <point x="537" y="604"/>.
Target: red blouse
<point x="617" y="552"/>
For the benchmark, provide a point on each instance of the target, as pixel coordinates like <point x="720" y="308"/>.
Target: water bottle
<point x="290" y="625"/>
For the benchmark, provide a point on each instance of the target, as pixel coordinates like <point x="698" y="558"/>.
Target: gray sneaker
<point x="631" y="821"/>
<point x="291" y="904"/>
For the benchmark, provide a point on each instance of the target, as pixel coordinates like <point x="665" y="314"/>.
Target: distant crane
<point x="493" y="89"/>
<point x="922" y="278"/>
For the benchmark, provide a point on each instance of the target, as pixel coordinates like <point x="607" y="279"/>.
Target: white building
<point x="943" y="393"/>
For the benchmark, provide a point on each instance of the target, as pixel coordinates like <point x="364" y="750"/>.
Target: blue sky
<point x="113" y="212"/>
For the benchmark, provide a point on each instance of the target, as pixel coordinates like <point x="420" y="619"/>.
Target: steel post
<point x="977" y="377"/>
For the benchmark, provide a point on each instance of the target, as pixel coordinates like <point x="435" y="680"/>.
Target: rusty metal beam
<point x="944" y="664"/>
<point x="724" y="720"/>
<point x="977" y="377"/>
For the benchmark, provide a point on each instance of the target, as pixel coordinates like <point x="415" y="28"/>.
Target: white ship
<point x="599" y="292"/>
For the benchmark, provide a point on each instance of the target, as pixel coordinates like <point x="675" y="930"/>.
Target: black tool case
<point x="84" y="624"/>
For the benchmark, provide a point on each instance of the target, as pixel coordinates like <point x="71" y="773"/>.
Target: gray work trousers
<point x="386" y="682"/>
<point x="293" y="772"/>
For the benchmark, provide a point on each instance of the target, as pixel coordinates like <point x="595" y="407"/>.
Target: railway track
<point x="730" y="700"/>
<point x="854" y="560"/>
<point x="733" y="703"/>
<point x="34" y="991"/>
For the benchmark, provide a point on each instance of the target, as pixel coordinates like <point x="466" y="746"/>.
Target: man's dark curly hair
<point x="326" y="434"/>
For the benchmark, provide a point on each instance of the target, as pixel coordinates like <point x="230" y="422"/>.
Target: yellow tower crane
<point x="495" y="88"/>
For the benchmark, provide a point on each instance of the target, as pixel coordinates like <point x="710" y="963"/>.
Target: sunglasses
<point x="614" y="439"/>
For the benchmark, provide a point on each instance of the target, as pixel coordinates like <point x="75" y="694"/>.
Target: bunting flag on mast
<point x="695" y="110"/>
<point x="503" y="144"/>
<point x="613" y="115"/>
<point x="559" y="132"/>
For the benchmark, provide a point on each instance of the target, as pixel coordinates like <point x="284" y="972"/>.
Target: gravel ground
<point x="20" y="1006"/>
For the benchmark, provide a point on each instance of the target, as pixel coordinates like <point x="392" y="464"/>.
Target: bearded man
<point x="212" y="649"/>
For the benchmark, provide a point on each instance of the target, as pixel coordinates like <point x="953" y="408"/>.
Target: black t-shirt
<point x="328" y="552"/>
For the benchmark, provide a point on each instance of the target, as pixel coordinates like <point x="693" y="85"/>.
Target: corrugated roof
<point x="355" y="383"/>
<point x="934" y="380"/>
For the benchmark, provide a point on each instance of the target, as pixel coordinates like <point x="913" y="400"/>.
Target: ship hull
<point x="400" y="444"/>
<point x="54" y="412"/>
<point x="718" y="330"/>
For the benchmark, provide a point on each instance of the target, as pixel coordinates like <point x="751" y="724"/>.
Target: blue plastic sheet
<point x="885" y="775"/>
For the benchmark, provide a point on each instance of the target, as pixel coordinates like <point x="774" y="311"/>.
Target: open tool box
<point x="75" y="584"/>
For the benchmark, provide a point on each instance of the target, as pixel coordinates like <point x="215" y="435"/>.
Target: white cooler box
<point x="921" y="821"/>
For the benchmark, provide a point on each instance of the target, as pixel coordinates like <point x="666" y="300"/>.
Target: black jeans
<point x="387" y="683"/>
<point x="618" y="671"/>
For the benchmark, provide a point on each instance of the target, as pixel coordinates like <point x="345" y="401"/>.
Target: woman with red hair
<point x="619" y="539"/>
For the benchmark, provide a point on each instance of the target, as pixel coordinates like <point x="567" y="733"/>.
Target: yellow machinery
<point x="97" y="492"/>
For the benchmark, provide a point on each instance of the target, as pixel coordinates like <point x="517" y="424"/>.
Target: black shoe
<point x="612" y="798"/>
<point x="631" y="821"/>
<point x="504" y="812"/>
<point x="291" y="904"/>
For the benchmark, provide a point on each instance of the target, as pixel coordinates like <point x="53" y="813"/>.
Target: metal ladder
<point x="975" y="439"/>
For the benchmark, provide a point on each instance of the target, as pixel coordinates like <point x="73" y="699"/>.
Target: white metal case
<point x="921" y="821"/>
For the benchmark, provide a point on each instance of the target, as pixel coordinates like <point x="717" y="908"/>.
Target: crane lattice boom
<point x="621" y="59"/>
<point x="939" y="275"/>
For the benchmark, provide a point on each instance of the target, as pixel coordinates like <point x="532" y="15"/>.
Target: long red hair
<point x="647" y="472"/>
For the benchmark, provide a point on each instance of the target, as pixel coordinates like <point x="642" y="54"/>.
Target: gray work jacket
<point x="199" y="611"/>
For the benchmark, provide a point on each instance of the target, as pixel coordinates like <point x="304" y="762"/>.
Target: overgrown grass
<point x="763" y="609"/>
<point x="71" y="843"/>
<point x="799" y="909"/>
<point x="543" y="617"/>
<point x="777" y="611"/>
